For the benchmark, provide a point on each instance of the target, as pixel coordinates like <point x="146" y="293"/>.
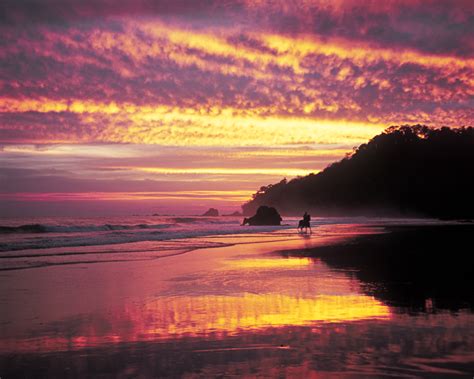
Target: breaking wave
<point x="43" y="228"/>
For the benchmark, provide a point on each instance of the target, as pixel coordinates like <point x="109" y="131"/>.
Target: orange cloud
<point x="174" y="126"/>
<point x="237" y="196"/>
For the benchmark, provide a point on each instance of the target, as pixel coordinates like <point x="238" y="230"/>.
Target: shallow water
<point x="60" y="232"/>
<point x="239" y="309"/>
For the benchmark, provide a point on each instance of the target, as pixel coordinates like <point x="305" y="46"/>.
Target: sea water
<point x="37" y="242"/>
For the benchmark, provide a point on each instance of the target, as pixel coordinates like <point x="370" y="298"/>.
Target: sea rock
<point x="264" y="216"/>
<point x="211" y="212"/>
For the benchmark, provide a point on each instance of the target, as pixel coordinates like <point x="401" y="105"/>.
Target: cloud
<point x="434" y="26"/>
<point x="220" y="91"/>
<point x="131" y="167"/>
<point x="128" y="67"/>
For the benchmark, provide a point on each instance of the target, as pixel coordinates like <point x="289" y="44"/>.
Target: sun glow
<point x="227" y="171"/>
<point x="173" y="126"/>
<point x="225" y="196"/>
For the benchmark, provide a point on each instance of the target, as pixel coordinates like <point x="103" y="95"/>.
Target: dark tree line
<point x="405" y="171"/>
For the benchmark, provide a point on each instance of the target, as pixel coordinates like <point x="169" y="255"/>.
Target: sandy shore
<point x="243" y="309"/>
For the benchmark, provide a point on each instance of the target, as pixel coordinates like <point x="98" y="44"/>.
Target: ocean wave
<point x="44" y="228"/>
<point x="205" y="220"/>
<point x="111" y="238"/>
<point x="185" y="220"/>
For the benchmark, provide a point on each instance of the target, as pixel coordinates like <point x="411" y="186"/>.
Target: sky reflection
<point x="225" y="303"/>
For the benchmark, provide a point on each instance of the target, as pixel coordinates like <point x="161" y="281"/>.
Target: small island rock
<point x="264" y="216"/>
<point x="211" y="212"/>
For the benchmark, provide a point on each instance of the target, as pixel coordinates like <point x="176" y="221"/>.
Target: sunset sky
<point x="153" y="106"/>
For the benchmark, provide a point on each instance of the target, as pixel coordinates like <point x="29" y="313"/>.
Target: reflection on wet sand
<point x="401" y="346"/>
<point x="231" y="314"/>
<point x="201" y="316"/>
<point x="271" y="263"/>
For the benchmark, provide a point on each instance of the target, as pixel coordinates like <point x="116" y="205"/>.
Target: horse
<point x="304" y="224"/>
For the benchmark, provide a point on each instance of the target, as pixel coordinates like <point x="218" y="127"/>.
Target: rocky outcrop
<point x="211" y="212"/>
<point x="264" y="216"/>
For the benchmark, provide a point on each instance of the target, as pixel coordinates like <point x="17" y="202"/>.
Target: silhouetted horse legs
<point x="302" y="224"/>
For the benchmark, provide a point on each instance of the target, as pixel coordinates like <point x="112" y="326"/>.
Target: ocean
<point x="39" y="242"/>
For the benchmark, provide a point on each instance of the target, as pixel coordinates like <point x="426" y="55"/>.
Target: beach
<point x="236" y="189"/>
<point x="242" y="302"/>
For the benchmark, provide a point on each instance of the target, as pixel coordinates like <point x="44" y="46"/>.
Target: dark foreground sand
<point x="352" y="301"/>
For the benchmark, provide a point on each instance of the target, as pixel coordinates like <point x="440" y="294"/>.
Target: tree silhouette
<point x="404" y="171"/>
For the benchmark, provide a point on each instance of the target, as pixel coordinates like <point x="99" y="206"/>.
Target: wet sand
<point x="273" y="305"/>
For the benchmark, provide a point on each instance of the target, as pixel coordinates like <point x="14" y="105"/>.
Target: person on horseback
<point x="305" y="223"/>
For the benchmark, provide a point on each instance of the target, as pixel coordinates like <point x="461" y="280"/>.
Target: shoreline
<point x="144" y="250"/>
